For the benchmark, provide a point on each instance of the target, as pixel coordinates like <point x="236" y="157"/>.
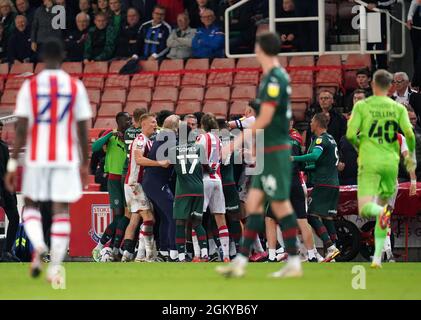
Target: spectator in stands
<point x="144" y="7"/>
<point x="42" y="26"/>
<point x="103" y="7"/>
<point x="242" y="31"/>
<point x="195" y="9"/>
<point x="100" y="45"/>
<point x="173" y="9"/>
<point x="403" y="92"/>
<point x="23" y="8"/>
<point x="191" y="121"/>
<point x="8" y="15"/>
<point x="363" y="78"/>
<point x="9" y="203"/>
<point x="209" y="39"/>
<point x="76" y="39"/>
<point x="198" y="115"/>
<point x="288" y="30"/>
<point x="127" y="41"/>
<point x="3" y="45"/>
<point x="85" y="6"/>
<point x="414" y="19"/>
<point x="153" y="35"/>
<point x="19" y="45"/>
<point x="118" y="17"/>
<point x="180" y="39"/>
<point x="358" y="94"/>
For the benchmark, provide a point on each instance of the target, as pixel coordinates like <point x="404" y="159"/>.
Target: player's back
<point x="380" y="118"/>
<point x="326" y="172"/>
<point x="212" y="146"/>
<point x="53" y="102"/>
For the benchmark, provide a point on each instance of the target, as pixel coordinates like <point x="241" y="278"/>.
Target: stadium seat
<point x="243" y="93"/>
<point x="218" y="108"/>
<point x="169" y="94"/>
<point x="109" y="109"/>
<point x="14" y="83"/>
<point x="116" y="65"/>
<point x="298" y="111"/>
<point x="218" y="93"/>
<point x="94" y="108"/>
<point x="238" y="107"/>
<point x="170" y="80"/>
<point x="117" y="81"/>
<point x="186" y="107"/>
<point x="105" y="123"/>
<point x="19" y="68"/>
<point x="329" y="77"/>
<point x="9" y="97"/>
<point x="94" y="82"/>
<point x="221" y="78"/>
<point x="157" y="106"/>
<point x="302" y="93"/>
<point x="192" y="94"/>
<point x="301" y="76"/>
<point x="4" y="69"/>
<point x="96" y="67"/>
<point x="131" y="106"/>
<point x="140" y="95"/>
<point x="195" y="79"/>
<point x="73" y="68"/>
<point x="149" y="65"/>
<point x="283" y="61"/>
<point x="94" y="95"/>
<point x="357" y="61"/>
<point x="145" y="80"/>
<point x="247" y="77"/>
<point x="114" y="95"/>
<point x="39" y="67"/>
<point x="94" y="74"/>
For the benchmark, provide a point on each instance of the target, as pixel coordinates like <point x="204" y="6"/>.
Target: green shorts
<point x="232" y="199"/>
<point x="324" y="201"/>
<point x="186" y="207"/>
<point x="275" y="180"/>
<point x="380" y="181"/>
<point x="116" y="193"/>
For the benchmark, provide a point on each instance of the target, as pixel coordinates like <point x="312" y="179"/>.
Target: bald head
<point x="171" y="122"/>
<point x="21" y="23"/>
<point x="82" y="21"/>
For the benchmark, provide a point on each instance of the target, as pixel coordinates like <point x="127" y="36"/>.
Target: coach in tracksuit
<point x="156" y="185"/>
<point x="152" y="37"/>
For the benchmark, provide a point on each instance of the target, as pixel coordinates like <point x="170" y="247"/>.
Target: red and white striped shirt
<point x="135" y="171"/>
<point x="212" y="145"/>
<point x="53" y="102"/>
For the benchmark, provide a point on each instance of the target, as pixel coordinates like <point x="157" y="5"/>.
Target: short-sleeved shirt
<point x="135" y="171"/>
<point x="275" y="90"/>
<point x="53" y="102"/>
<point x="325" y="172"/>
<point x="212" y="146"/>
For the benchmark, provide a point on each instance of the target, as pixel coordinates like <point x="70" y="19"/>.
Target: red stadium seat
<point x="94" y="82"/>
<point x="218" y="108"/>
<point x="357" y="61"/>
<point x="94" y="108"/>
<point x="195" y="79"/>
<point x="186" y="107"/>
<point x="117" y="81"/>
<point x="4" y="69"/>
<point x="140" y="95"/>
<point x="243" y="93"/>
<point x="94" y="74"/>
<point x="94" y="95"/>
<point x="301" y="76"/>
<point x="18" y="68"/>
<point x="109" y="109"/>
<point x="218" y="93"/>
<point x="14" y="83"/>
<point x="247" y="77"/>
<point x="96" y="67"/>
<point x="192" y="94"/>
<point x="238" y="107"/>
<point x="116" y="66"/>
<point x="329" y="77"/>
<point x="149" y="65"/>
<point x="171" y="80"/>
<point x="165" y="94"/>
<point x="302" y="93"/>
<point x="298" y="111"/>
<point x="131" y="106"/>
<point x="39" y="67"/>
<point x="105" y="123"/>
<point x="9" y="97"/>
<point x="221" y="78"/>
<point x="73" y="68"/>
<point x="143" y="81"/>
<point x="157" y="106"/>
<point x="114" y="95"/>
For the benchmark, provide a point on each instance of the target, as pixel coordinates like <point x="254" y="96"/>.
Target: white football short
<point x="213" y="196"/>
<point x="136" y="198"/>
<point x="52" y="184"/>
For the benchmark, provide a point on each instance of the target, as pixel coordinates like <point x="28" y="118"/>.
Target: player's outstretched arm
<point x="97" y="145"/>
<point x="309" y="157"/>
<point x="354" y="125"/>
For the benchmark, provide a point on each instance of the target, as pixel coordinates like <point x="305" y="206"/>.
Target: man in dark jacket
<point x="76" y="39"/>
<point x="19" y="45"/>
<point x="127" y="41"/>
<point x="100" y="45"/>
<point x="23" y="8"/>
<point x="144" y="7"/>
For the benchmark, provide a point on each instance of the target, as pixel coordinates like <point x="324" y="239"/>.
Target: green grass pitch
<point x="175" y="281"/>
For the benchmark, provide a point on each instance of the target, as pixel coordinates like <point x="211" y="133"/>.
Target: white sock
<point x="182" y="256"/>
<point x="173" y="254"/>
<point x="204" y="252"/>
<point x="164" y="253"/>
<point x="272" y="254"/>
<point x="241" y="259"/>
<point x="33" y="228"/>
<point x="311" y="253"/>
<point x="141" y="250"/>
<point x="99" y="246"/>
<point x="196" y="247"/>
<point x="233" y="250"/>
<point x="279" y="236"/>
<point x="294" y="261"/>
<point x="224" y="238"/>
<point x="257" y="245"/>
<point x="60" y="236"/>
<point x="212" y="246"/>
<point x="377" y="260"/>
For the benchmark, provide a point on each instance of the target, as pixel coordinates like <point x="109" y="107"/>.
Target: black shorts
<point x="298" y="202"/>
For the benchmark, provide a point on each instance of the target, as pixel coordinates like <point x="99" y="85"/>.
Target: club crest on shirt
<point x="101" y="218"/>
<point x="273" y="90"/>
<point x="318" y="140"/>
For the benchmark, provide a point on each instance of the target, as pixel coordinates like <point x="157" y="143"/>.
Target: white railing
<point x="321" y="18"/>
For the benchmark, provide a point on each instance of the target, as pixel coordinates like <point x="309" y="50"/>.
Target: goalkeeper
<point x="373" y="130"/>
